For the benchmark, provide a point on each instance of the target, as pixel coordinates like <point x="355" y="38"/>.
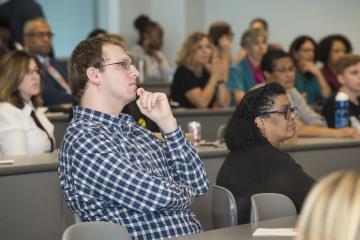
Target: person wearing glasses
<point x="261" y="122"/>
<point x="279" y="67"/>
<point x="38" y="40"/>
<point x="24" y="127"/>
<point x="309" y="80"/>
<point x="112" y="169"/>
<point x="246" y="74"/>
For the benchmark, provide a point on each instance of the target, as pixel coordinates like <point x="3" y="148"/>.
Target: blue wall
<point x="71" y="21"/>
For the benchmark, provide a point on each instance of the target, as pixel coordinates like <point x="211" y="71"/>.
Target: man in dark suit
<point x="38" y="40"/>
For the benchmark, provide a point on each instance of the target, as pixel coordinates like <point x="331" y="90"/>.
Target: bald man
<point x="38" y="40"/>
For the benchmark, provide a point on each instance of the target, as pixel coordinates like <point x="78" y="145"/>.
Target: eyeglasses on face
<point x="124" y="64"/>
<point x="41" y="34"/>
<point x="286" y="111"/>
<point x="284" y="70"/>
<point x="32" y="71"/>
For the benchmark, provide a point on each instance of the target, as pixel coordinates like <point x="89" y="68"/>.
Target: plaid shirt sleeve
<point x="100" y="171"/>
<point x="184" y="162"/>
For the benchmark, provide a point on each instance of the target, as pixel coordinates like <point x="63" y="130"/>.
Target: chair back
<point x="96" y="231"/>
<point x="266" y="206"/>
<point x="223" y="207"/>
<point x="221" y="133"/>
<point x="77" y="218"/>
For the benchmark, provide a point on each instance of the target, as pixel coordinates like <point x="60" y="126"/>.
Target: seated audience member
<point x="38" y="40"/>
<point x="110" y="168"/>
<point x="246" y="74"/>
<point x="258" y="23"/>
<point x="263" y="119"/>
<point x="279" y="67"/>
<point x="309" y="80"/>
<point x="199" y="80"/>
<point x="156" y="66"/>
<point x="348" y="70"/>
<point x="330" y="49"/>
<point x="24" y="128"/>
<point x="221" y="36"/>
<point x="332" y="209"/>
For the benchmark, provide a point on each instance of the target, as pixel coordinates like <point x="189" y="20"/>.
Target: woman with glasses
<point x="279" y="67"/>
<point x="24" y="128"/>
<point x="263" y="119"/>
<point x="308" y="79"/>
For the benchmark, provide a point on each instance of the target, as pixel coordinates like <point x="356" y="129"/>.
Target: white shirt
<point x="19" y="134"/>
<point x="152" y="69"/>
<point x="306" y="114"/>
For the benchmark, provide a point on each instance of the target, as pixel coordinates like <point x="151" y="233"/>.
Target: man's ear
<point x="93" y="75"/>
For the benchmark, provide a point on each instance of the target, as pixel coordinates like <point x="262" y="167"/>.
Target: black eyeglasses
<point x="124" y="64"/>
<point x="41" y="34"/>
<point x="286" y="111"/>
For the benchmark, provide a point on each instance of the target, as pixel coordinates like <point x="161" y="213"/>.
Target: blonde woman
<point x="199" y="80"/>
<point x="332" y="209"/>
<point x="24" y="128"/>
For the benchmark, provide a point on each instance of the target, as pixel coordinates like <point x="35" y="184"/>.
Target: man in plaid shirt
<point x="112" y="169"/>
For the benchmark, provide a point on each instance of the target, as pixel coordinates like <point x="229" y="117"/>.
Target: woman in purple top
<point x="330" y="49"/>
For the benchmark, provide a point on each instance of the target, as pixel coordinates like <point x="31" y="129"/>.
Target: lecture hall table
<point x="244" y="232"/>
<point x="30" y="193"/>
<point x="210" y="120"/>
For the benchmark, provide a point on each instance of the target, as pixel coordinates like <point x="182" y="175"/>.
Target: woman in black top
<point x="199" y="80"/>
<point x="263" y="119"/>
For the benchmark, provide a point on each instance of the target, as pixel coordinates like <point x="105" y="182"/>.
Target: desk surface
<point x="29" y="164"/>
<point x="179" y="112"/>
<point x="49" y="161"/>
<point x="244" y="232"/>
<point x="302" y="144"/>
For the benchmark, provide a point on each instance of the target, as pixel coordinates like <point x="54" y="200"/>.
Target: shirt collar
<point x="28" y="107"/>
<point x="44" y="60"/>
<point x="124" y="121"/>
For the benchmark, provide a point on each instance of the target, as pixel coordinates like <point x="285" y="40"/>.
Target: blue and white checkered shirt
<point x="111" y="169"/>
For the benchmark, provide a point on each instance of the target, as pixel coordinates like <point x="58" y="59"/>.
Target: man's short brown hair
<point x="88" y="53"/>
<point x="346" y="61"/>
